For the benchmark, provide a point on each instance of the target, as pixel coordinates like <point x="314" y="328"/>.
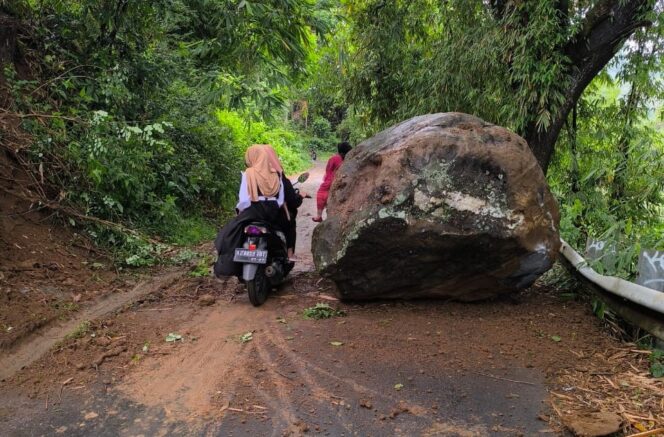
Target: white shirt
<point x="245" y="200"/>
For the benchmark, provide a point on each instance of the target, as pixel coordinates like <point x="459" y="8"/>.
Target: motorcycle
<point x="264" y="257"/>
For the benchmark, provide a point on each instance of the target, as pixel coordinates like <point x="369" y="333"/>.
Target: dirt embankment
<point x="47" y="271"/>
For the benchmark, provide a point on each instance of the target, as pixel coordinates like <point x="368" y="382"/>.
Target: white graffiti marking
<point x="598" y="245"/>
<point x="657" y="258"/>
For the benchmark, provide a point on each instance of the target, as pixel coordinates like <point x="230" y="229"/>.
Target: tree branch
<point x="604" y="30"/>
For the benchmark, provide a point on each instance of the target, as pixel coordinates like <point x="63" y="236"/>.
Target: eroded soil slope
<point x="47" y="271"/>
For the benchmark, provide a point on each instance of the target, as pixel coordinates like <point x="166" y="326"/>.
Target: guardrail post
<point x="602" y="251"/>
<point x="651" y="269"/>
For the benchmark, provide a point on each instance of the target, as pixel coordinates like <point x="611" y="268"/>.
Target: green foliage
<point x="81" y="330"/>
<point x="357" y="126"/>
<point x="600" y="309"/>
<point x="608" y="170"/>
<point x="130" y="249"/>
<point x="202" y="268"/>
<point x="143" y="110"/>
<point x="289" y="144"/>
<point x="322" y="136"/>
<point x="657" y="363"/>
<point x="192" y="230"/>
<point x="140" y="254"/>
<point x="416" y="57"/>
<point x="184" y="256"/>
<point x="321" y="128"/>
<point x="322" y="311"/>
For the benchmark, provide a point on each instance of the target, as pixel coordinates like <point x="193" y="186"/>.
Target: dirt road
<point x="305" y="226"/>
<point x="385" y="368"/>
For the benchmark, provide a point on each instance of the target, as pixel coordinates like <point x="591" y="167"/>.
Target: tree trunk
<point x="605" y="28"/>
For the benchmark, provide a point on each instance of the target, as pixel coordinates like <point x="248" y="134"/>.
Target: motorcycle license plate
<point x="250" y="256"/>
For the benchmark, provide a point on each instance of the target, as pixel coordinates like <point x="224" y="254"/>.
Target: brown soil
<point x="289" y="369"/>
<point x="305" y="226"/>
<point x="47" y="272"/>
<point x="395" y="368"/>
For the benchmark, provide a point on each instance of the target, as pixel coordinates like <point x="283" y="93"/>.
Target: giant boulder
<point x="441" y="205"/>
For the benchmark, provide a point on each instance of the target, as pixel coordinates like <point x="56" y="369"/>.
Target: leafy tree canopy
<point x="520" y="64"/>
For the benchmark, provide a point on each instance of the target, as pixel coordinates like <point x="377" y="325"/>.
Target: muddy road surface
<point x="193" y="357"/>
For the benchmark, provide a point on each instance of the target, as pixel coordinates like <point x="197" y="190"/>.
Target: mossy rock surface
<point x="441" y="205"/>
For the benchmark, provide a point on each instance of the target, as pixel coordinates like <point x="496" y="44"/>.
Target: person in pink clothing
<point x="331" y="168"/>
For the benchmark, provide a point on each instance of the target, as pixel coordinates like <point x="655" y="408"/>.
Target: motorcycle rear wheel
<point x="259" y="287"/>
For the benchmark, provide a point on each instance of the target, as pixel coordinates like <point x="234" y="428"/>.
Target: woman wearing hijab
<point x="331" y="168"/>
<point x="261" y="181"/>
<point x="261" y="197"/>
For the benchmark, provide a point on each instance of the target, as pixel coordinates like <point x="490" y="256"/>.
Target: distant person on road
<point x="331" y="168"/>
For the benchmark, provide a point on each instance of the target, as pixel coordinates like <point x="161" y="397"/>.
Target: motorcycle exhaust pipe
<point x="274" y="273"/>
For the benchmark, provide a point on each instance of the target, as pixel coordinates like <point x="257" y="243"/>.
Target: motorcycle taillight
<point x="254" y="230"/>
<point x="252" y="246"/>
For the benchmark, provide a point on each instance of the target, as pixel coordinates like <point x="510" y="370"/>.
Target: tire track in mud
<point x="184" y="382"/>
<point x="315" y="390"/>
<point x="317" y="372"/>
<point x="312" y="392"/>
<point x="31" y="348"/>
<point x="265" y="375"/>
<point x="280" y="402"/>
<point x="325" y="388"/>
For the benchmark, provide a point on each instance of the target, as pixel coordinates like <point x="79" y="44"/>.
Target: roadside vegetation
<point x="133" y="117"/>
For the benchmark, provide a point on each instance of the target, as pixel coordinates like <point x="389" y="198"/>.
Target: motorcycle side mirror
<point x="303" y="177"/>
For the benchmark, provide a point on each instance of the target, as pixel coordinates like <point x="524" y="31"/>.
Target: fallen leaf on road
<point x="171" y="337"/>
<point x="398" y="386"/>
<point x="244" y="338"/>
<point x="336" y="343"/>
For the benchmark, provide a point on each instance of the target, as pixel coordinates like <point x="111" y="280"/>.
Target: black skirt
<point x="231" y="236"/>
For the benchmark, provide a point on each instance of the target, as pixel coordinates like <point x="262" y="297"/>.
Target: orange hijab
<point x="276" y="165"/>
<point x="261" y="175"/>
<point x="274" y="159"/>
